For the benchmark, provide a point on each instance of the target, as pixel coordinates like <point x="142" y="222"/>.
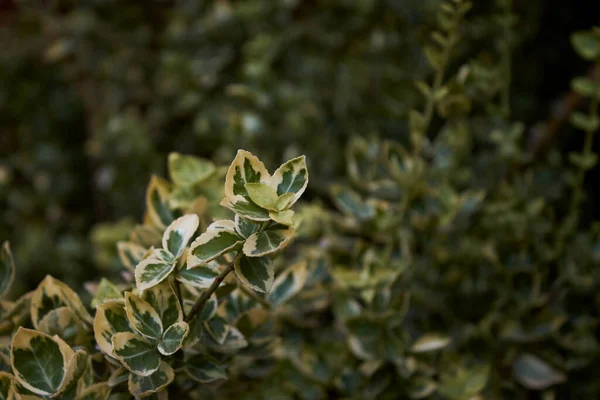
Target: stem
<point x="199" y="305"/>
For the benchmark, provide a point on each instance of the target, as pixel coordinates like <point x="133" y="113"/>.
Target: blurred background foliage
<point x="95" y="94"/>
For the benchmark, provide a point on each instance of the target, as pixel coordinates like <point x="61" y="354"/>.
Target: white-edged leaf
<point x="245" y="228"/>
<point x="283" y="217"/>
<point x="288" y="283"/>
<point x="7" y="269"/>
<point x="245" y="168"/>
<point x="173" y="338"/>
<point x="137" y="354"/>
<point x="111" y="318"/>
<point x="144" y="385"/>
<point x="291" y="177"/>
<point x="220" y="238"/>
<point x="267" y="242"/>
<point x="204" y="368"/>
<point x="430" y="342"/>
<point x="130" y="254"/>
<point x="157" y="202"/>
<point x="179" y="233"/>
<point x="535" y="373"/>
<point x="218" y="328"/>
<point x="255" y="272"/>
<point x="248" y="210"/>
<point x="151" y="272"/>
<point x="200" y="277"/>
<point x="118" y="376"/>
<point x="164" y="301"/>
<point x="97" y="391"/>
<point x="106" y="291"/>
<point x="142" y="317"/>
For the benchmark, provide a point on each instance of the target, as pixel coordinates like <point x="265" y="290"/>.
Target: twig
<point x="199" y="305"/>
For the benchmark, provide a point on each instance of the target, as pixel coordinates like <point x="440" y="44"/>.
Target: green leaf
<point x="137" y="354"/>
<point x="179" y="233"/>
<point x="106" y="291"/>
<point x="462" y="384"/>
<point x="52" y="293"/>
<point x="267" y="242"/>
<point x="142" y="317"/>
<point x="118" y="376"/>
<point x="201" y="276"/>
<point x="145" y="385"/>
<point x="62" y="322"/>
<point x="40" y="362"/>
<point x="187" y="170"/>
<point x="245" y="228"/>
<point x="585" y="86"/>
<point x="151" y="272"/>
<point x="204" y="369"/>
<point x="587" y="45"/>
<point x="157" y="202"/>
<point x="588" y="123"/>
<point x="219" y="238"/>
<point x="111" y="318"/>
<point x="164" y="301"/>
<point x="430" y="342"/>
<point x="534" y="373"/>
<point x="284" y="201"/>
<point x="350" y="203"/>
<point x="245" y="168"/>
<point x="283" y="217"/>
<point x="584" y="161"/>
<point x="7" y="269"/>
<point x="291" y="177"/>
<point x="262" y="195"/>
<point x="248" y="210"/>
<point x="130" y="254"/>
<point x="255" y="272"/>
<point x="218" y="328"/>
<point x="98" y="391"/>
<point x="173" y="338"/>
<point x="288" y="284"/>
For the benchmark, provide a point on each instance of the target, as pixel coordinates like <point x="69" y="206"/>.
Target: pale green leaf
<point x="291" y="177"/>
<point x="245" y="168"/>
<point x="187" y="170"/>
<point x="430" y="342"/>
<point x="283" y="217"/>
<point x="137" y="354"/>
<point x="262" y="195"/>
<point x="587" y="45"/>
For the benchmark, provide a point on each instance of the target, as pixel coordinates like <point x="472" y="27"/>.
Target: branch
<point x="199" y="305"/>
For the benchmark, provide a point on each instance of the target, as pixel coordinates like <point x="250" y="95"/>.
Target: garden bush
<point x="456" y="261"/>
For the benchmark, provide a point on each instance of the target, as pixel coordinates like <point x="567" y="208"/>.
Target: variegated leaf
<point x="179" y="233"/>
<point x="288" y="283"/>
<point x="219" y="238"/>
<point x="157" y="202"/>
<point x="75" y="369"/>
<point x="111" y="318"/>
<point x="146" y="236"/>
<point x="51" y="294"/>
<point x="267" y="242"/>
<point x="430" y="342"/>
<point x="142" y="317"/>
<point x="255" y="272"/>
<point x="151" y="272"/>
<point x="200" y="277"/>
<point x="137" y="354"/>
<point x="98" y="391"/>
<point x="6" y="382"/>
<point x="40" y="362"/>
<point x="234" y="342"/>
<point x="20" y="312"/>
<point x="218" y="328"/>
<point x="245" y="168"/>
<point x="291" y="177"/>
<point x="204" y="368"/>
<point x="130" y="254"/>
<point x="7" y="269"/>
<point x="118" y="376"/>
<point x="248" y="210"/>
<point x="173" y="338"/>
<point x="62" y="322"/>
<point x="245" y="228"/>
<point x="164" y="301"/>
<point x="106" y="291"/>
<point x="145" y="385"/>
<point x="187" y="170"/>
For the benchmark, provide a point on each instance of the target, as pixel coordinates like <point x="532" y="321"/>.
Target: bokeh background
<point x="94" y="94"/>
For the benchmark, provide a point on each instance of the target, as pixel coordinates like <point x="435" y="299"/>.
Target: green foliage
<point x="450" y="265"/>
